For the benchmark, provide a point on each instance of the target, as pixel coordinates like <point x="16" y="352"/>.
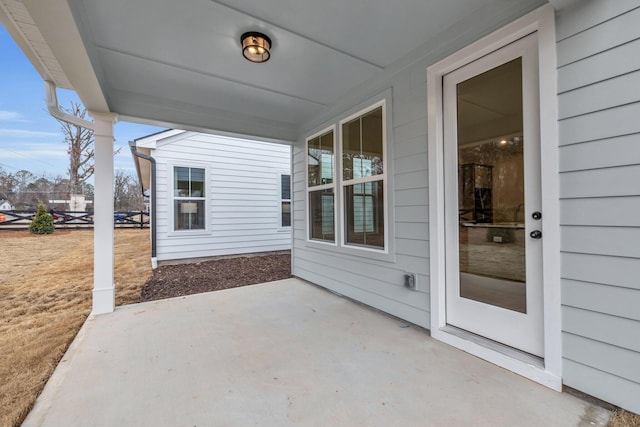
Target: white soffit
<point x="17" y="20"/>
<point x="157" y="54"/>
<point x="192" y="55"/>
<point x="378" y="32"/>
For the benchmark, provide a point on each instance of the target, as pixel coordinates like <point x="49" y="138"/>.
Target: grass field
<point x="45" y="297"/>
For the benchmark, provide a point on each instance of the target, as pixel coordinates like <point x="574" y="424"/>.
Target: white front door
<point x="493" y="198"/>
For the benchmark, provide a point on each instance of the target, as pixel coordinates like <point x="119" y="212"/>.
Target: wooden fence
<point x="19" y="220"/>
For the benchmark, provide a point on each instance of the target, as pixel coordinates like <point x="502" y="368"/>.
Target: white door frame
<point x="549" y="372"/>
<point x="511" y="327"/>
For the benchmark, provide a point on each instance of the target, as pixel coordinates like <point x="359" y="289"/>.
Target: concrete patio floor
<point x="278" y="354"/>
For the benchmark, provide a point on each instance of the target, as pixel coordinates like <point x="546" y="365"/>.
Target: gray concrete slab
<point x="278" y="354"/>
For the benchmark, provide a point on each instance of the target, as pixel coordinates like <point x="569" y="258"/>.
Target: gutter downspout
<point x="132" y="146"/>
<point x="55" y="111"/>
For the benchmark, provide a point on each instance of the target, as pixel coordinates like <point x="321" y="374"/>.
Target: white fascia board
<point x="54" y="20"/>
<point x="152" y="141"/>
<point x="145" y="142"/>
<point x="171" y="137"/>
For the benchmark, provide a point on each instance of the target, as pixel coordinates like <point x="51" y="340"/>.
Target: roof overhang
<point x="179" y="65"/>
<point x="47" y="34"/>
<point x="143" y="168"/>
<point x="145" y="145"/>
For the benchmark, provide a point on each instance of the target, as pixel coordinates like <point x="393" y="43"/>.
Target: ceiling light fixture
<point x="255" y="46"/>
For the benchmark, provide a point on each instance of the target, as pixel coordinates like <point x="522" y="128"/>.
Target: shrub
<point x="42" y="222"/>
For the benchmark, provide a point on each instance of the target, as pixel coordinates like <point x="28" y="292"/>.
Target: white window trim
<point x="375" y="178"/>
<point x="388" y="255"/>
<point x="281" y="199"/>
<point x="171" y="190"/>
<point x="541" y="21"/>
<point x="308" y="189"/>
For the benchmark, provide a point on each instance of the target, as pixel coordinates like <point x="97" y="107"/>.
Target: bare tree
<point x="8" y="184"/>
<point x="126" y="192"/>
<point x="80" y="148"/>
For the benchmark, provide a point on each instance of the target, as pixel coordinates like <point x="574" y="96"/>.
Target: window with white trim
<point x="363" y="179"/>
<point x="189" y="203"/>
<point x="285" y="200"/>
<point x="321" y="186"/>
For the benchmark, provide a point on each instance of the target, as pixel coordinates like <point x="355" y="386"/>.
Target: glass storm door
<point x="492" y="197"/>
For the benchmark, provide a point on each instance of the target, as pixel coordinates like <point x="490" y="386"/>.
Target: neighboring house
<point x="5" y="205"/>
<point x="216" y="195"/>
<point x="470" y="166"/>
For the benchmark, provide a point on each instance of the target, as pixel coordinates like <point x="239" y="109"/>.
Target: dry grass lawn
<point x="622" y="418"/>
<point x="45" y="296"/>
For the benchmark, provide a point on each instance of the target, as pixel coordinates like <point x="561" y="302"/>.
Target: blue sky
<point x="29" y="137"/>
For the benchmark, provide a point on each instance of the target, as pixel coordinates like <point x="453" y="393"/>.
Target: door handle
<point x="536" y="215"/>
<point x="536" y="234"/>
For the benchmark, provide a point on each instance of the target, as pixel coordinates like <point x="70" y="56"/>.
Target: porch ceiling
<point x="179" y="64"/>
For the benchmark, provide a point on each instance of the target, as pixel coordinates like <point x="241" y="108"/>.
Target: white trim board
<point x="542" y="22"/>
<point x="375" y="178"/>
<point x="333" y="186"/>
<point x="383" y="99"/>
<point x="170" y="196"/>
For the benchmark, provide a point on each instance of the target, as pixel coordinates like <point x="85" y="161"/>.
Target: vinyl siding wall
<point x="375" y="282"/>
<point x="598" y="47"/>
<point x="242" y="192"/>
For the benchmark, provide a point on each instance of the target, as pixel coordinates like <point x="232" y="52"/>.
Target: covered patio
<point x="283" y="353"/>
<point x="289" y="353"/>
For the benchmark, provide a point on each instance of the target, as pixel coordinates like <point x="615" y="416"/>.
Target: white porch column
<point x="103" y="264"/>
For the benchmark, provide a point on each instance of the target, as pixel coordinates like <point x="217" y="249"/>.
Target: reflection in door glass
<point x="491" y="187"/>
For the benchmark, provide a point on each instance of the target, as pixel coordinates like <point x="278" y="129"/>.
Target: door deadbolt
<point x="536" y="234"/>
<point x="536" y="215"/>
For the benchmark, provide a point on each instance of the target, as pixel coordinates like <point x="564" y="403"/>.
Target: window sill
<point x="355" y="251"/>
<point x="188" y="233"/>
<point x="321" y="244"/>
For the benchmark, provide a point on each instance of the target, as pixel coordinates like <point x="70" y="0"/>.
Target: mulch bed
<point x="170" y="281"/>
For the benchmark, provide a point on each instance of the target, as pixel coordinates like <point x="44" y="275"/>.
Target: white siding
<point x="599" y="105"/>
<point x="380" y="283"/>
<point x="242" y="192"/>
<point x="374" y="281"/>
